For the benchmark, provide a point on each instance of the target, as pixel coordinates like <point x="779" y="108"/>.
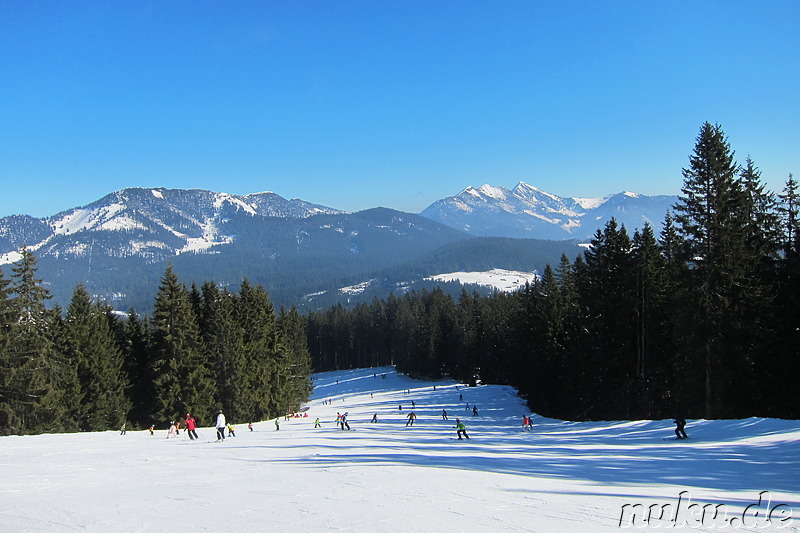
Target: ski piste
<point x="567" y="476"/>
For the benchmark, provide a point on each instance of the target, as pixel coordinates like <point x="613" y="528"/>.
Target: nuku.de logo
<point x="684" y="513"/>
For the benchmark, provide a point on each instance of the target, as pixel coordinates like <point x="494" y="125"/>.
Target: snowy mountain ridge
<point x="529" y="212"/>
<point x="150" y="223"/>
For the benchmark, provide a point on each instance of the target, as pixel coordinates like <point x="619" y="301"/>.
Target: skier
<point x="375" y="417"/>
<point x="344" y="422"/>
<point x="220" y="426"/>
<point x="474" y="410"/>
<point x="400" y="408"/>
<point x="191" y="426"/>
<point x="679" y="431"/>
<point x="122" y="429"/>
<point x="411" y="417"/>
<point x="413" y="404"/>
<point x="525" y="423"/>
<point x="250" y="426"/>
<point x="277" y="424"/>
<point x="150" y="429"/>
<point x="316" y="423"/>
<point x="462" y="429"/>
<point x="230" y="431"/>
<point x="173" y="431"/>
<point x="444" y="414"/>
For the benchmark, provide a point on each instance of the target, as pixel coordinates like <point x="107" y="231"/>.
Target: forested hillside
<point x="701" y="321"/>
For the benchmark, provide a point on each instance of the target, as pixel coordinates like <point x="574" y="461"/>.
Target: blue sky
<point x="362" y="104"/>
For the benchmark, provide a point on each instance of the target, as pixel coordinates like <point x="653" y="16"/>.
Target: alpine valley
<point x="304" y="254"/>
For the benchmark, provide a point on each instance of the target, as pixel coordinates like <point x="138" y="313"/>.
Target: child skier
<point x="462" y="429"/>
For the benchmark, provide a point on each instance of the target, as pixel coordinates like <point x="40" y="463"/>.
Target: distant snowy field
<point x="385" y="477"/>
<point x="500" y="280"/>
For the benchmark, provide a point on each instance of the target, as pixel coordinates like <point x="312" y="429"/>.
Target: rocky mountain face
<point x="529" y="212"/>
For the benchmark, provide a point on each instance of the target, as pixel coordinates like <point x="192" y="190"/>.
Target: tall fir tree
<point x="139" y="368"/>
<point x="36" y="377"/>
<point x="296" y="379"/>
<point x="713" y="220"/>
<point x="92" y="345"/>
<point x="607" y="289"/>
<point x="222" y="339"/>
<point x="260" y="397"/>
<point x="181" y="376"/>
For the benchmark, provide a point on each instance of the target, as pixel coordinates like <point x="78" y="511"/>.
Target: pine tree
<point x="92" y="346"/>
<point x="296" y="384"/>
<point x="260" y="393"/>
<point x="606" y="286"/>
<point x="222" y="338"/>
<point x="651" y="345"/>
<point x="714" y="220"/>
<point x="787" y="362"/>
<point x="181" y="375"/>
<point x="36" y="378"/>
<point x="7" y="321"/>
<point x="139" y="369"/>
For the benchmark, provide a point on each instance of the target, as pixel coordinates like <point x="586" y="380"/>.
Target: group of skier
<point x="341" y="422"/>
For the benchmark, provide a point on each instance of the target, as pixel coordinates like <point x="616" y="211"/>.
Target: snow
<point x="499" y="279"/>
<point x="591" y="203"/>
<point x="498" y="193"/>
<point x="10" y="257"/>
<point x="86" y="219"/>
<point x="358" y="288"/>
<point x="385" y="477"/>
<point x="221" y="198"/>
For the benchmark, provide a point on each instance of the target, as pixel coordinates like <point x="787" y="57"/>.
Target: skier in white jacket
<point x="221" y="425"/>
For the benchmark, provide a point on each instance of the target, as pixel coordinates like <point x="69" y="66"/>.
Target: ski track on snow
<point x="386" y="477"/>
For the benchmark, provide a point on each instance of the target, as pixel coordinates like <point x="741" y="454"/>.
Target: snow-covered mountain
<point x="529" y="212"/>
<point x="148" y="223"/>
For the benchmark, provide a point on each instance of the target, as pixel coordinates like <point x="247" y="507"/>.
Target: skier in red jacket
<point x="191" y="425"/>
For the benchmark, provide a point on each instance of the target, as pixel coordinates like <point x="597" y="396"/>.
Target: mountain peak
<point x="527" y="211"/>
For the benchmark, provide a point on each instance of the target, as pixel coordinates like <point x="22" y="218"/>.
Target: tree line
<point x="91" y="369"/>
<point x="699" y="321"/>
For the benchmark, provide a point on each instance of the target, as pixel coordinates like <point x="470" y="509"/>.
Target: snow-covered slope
<point x="386" y="477"/>
<point x="497" y="278"/>
<point x="529" y="212"/>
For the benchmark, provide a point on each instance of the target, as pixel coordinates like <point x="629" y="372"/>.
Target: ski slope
<point x="386" y="477"/>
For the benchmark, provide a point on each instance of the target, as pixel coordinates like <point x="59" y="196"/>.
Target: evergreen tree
<point x="255" y="313"/>
<point x="787" y="362"/>
<point x="296" y="384"/>
<point x="139" y="369"/>
<point x="606" y="287"/>
<point x="222" y="336"/>
<point x="181" y="375"/>
<point x="92" y="346"/>
<point x="652" y="346"/>
<point x="36" y="378"/>
<point x="713" y="218"/>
